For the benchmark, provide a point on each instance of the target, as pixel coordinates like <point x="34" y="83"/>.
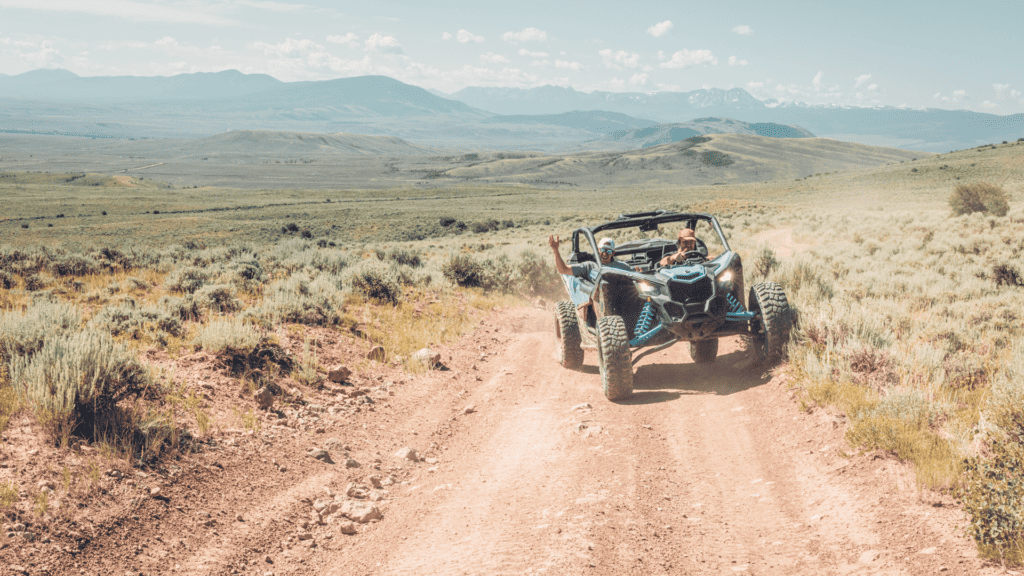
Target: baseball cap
<point x="606" y="243"/>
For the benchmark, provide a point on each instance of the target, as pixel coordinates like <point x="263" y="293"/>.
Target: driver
<point x="687" y="243"/>
<point x="587" y="270"/>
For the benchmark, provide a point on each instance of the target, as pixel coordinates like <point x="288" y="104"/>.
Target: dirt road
<point x="705" y="470"/>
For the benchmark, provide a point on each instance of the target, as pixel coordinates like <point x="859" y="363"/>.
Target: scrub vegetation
<point x="908" y="299"/>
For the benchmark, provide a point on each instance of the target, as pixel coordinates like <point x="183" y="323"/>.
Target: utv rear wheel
<point x="770" y="330"/>
<point x="614" y="358"/>
<point x="704" y="351"/>
<point x="567" y="333"/>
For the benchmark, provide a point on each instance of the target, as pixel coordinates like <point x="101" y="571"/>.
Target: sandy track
<point x="706" y="470"/>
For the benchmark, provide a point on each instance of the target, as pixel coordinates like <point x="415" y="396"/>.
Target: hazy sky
<point x="918" y="54"/>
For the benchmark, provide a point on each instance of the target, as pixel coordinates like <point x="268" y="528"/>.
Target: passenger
<point x="686" y="243"/>
<point x="587" y="270"/>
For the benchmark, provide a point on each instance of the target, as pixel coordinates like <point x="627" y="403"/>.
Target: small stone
<point x="931" y="550"/>
<point x="346" y="527"/>
<point x="264" y="398"/>
<point x="304" y="536"/>
<point x="374" y="481"/>
<point x="354" y="490"/>
<point x="239" y="518"/>
<point x="339" y="374"/>
<point x="469" y="409"/>
<point x="430" y="460"/>
<point x="350" y="463"/>
<point x="376" y="496"/>
<point x="427" y="357"/>
<point x="584" y="406"/>
<point x="377" y="353"/>
<point x="154" y="492"/>
<point x="407" y="454"/>
<point x="359" y="511"/>
<point x="867" y="557"/>
<point x="321" y="455"/>
<point x="46" y="485"/>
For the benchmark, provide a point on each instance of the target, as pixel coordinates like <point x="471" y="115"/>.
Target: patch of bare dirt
<point x="707" y="469"/>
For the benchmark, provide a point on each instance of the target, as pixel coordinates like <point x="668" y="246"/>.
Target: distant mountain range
<point x="546" y="117"/>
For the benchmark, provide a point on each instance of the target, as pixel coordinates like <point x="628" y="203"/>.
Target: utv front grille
<point x="684" y="293"/>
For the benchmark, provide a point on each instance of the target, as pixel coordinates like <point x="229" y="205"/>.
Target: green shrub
<point x="74" y="265"/>
<point x="765" y="262"/>
<point x="188" y="280"/>
<point x="137" y="323"/>
<point x="184" y="308"/>
<point x="1006" y="275"/>
<point x="463" y="271"/>
<point x="378" y="284"/>
<point x="6" y="280"/>
<point x="75" y="381"/>
<point x="979" y="197"/>
<point x="218" y="298"/>
<point x="405" y="257"/>
<point x="991" y="492"/>
<point x="228" y="334"/>
<point x="23" y="334"/>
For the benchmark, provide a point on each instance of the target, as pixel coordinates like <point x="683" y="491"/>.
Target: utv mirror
<point x="649" y="227"/>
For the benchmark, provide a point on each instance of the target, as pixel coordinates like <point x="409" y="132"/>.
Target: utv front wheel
<point x="770" y="330"/>
<point x="567" y="333"/>
<point x="614" y="358"/>
<point x="704" y="351"/>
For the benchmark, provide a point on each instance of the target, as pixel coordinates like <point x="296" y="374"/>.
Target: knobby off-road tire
<point x="614" y="358"/>
<point x="567" y="333"/>
<point x="704" y="351"/>
<point x="770" y="332"/>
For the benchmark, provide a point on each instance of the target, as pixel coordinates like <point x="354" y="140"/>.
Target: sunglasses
<point x="607" y="251"/>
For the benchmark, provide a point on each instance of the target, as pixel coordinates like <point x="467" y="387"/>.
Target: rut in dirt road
<point x="706" y="469"/>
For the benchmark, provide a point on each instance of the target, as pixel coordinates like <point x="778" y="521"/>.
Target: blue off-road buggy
<point x="650" y="307"/>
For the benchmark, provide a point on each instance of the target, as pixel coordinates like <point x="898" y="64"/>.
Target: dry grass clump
<point x="75" y="381"/>
<point x="224" y="334"/>
<point x="979" y="197"/>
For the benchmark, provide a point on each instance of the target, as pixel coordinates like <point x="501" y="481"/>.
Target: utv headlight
<point x="725" y="280"/>
<point x="648" y="289"/>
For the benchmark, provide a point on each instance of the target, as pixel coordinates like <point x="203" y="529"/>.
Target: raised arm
<point x="560" y="264"/>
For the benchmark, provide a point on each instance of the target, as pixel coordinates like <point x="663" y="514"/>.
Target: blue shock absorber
<point x="734" y="306"/>
<point x="646" y="319"/>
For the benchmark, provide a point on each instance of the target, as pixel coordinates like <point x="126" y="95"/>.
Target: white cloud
<point x="661" y="55"/>
<point x="275" y="6"/>
<point x="1015" y="93"/>
<point x="525" y="35"/>
<point x="350" y="39"/>
<point x="660" y="29"/>
<point x="638" y="79"/>
<point x="122" y="9"/>
<point x="525" y="52"/>
<point x="1001" y="90"/>
<point x="446" y="36"/>
<point x="540" y="63"/>
<point x="861" y="80"/>
<point x="46" y="57"/>
<point x="385" y="44"/>
<point x="569" y="65"/>
<point x="755" y="85"/>
<point x="743" y="30"/>
<point x="619" y="59"/>
<point x="873" y="87"/>
<point x="733" y="61"/>
<point x="816" y="82"/>
<point x="13" y="42"/>
<point x="494" y="58"/>
<point x="290" y="47"/>
<point x="959" y="93"/>
<point x="688" y="58"/>
<point x="467" y="36"/>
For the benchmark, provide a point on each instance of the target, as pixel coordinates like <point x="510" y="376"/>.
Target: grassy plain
<point x="904" y="323"/>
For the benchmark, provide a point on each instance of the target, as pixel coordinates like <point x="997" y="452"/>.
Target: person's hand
<point x="553" y="241"/>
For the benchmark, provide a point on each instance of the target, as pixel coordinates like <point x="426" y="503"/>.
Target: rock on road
<point x="707" y="469"/>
